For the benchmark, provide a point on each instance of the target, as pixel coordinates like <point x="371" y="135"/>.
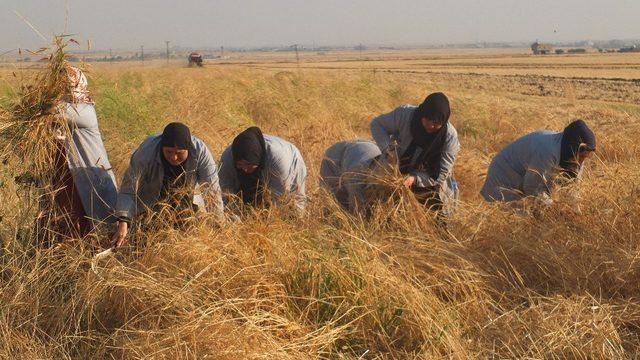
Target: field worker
<point x="84" y="186"/>
<point x="344" y="170"/>
<point x="427" y="147"/>
<point x="257" y="164"/>
<point x="530" y="165"/>
<point x="164" y="172"/>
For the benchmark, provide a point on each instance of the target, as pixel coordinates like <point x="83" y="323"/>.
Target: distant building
<point x="632" y="48"/>
<point x="541" y="49"/>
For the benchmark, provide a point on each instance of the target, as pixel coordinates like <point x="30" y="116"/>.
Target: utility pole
<point x="297" y="54"/>
<point x="167" y="42"/>
<point x="221" y="52"/>
<point x="142" y="53"/>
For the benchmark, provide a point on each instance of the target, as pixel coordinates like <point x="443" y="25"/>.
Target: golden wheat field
<point x="497" y="284"/>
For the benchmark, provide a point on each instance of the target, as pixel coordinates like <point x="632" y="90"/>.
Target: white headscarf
<point x="79" y="86"/>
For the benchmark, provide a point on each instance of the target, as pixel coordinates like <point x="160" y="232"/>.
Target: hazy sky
<point x="199" y="23"/>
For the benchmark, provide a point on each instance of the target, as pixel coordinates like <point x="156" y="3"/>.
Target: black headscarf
<point x="574" y="135"/>
<point x="249" y="145"/>
<point x="176" y="135"/>
<point x="178" y="180"/>
<point x="436" y="108"/>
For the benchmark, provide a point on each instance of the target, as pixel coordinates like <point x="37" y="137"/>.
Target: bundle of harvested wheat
<point x="33" y="128"/>
<point x="31" y="122"/>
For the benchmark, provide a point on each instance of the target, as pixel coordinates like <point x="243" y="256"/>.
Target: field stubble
<point x="497" y="285"/>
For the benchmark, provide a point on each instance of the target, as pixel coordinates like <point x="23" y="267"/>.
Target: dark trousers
<point x="430" y="198"/>
<point x="62" y="215"/>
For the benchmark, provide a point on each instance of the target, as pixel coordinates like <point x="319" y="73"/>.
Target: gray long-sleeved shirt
<point x="344" y="168"/>
<point x="526" y="167"/>
<point x="397" y="124"/>
<point x="142" y="181"/>
<point x="88" y="162"/>
<point x="284" y="171"/>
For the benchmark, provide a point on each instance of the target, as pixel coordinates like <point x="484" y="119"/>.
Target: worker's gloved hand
<point x="59" y="135"/>
<point x="120" y="237"/>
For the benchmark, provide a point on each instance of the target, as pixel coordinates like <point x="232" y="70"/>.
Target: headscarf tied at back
<point x="78" y="86"/>
<point x="575" y="134"/>
<point x="436" y="108"/>
<point x="179" y="180"/>
<point x="250" y="146"/>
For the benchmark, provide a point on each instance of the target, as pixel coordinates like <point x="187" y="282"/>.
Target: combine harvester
<point x="195" y="59"/>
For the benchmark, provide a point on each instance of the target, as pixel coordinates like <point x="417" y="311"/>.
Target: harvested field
<point x="518" y="62"/>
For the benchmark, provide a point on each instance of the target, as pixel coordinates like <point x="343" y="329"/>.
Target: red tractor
<point x="195" y="59"/>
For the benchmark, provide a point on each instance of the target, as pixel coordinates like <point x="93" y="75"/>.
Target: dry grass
<point x="496" y="285"/>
